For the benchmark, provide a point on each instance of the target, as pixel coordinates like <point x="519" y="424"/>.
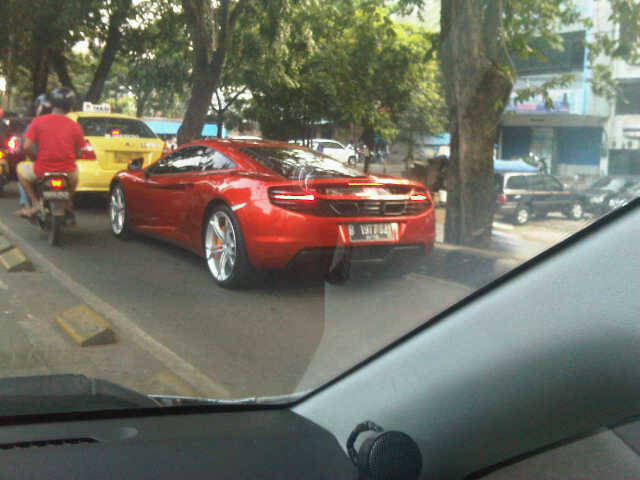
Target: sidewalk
<point x="33" y="343"/>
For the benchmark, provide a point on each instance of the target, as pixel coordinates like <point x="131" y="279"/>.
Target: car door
<point x="557" y="197"/>
<point x="212" y="174"/>
<point x="537" y="192"/>
<point x="167" y="190"/>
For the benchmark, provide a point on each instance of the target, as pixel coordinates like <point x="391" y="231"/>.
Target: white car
<point x="332" y="148"/>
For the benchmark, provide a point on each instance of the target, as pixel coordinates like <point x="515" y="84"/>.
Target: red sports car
<point x="245" y="205"/>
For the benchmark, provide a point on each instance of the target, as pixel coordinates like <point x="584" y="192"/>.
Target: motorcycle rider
<point x="42" y="107"/>
<point x="59" y="140"/>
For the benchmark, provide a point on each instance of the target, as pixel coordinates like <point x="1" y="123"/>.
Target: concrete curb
<point x="15" y="261"/>
<point x="5" y="244"/>
<point x="85" y="326"/>
<point x="495" y="261"/>
<point x="125" y="326"/>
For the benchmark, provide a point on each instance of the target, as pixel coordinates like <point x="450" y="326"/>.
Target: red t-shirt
<point x="58" y="138"/>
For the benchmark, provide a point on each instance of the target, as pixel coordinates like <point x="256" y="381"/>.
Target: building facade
<point x="581" y="133"/>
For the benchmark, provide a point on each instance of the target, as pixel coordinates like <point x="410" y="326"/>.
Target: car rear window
<point x="517" y="182"/>
<point x="298" y="163"/>
<point x="114" y="127"/>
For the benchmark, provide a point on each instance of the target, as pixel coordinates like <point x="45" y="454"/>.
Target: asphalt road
<point x="288" y="333"/>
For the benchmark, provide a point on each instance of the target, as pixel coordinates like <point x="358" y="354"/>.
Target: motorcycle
<point x="52" y="192"/>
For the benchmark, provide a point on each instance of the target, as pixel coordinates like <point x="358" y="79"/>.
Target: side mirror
<point x="136" y="163"/>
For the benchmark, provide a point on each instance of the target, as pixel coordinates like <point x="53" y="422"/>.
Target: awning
<point x="513" y="166"/>
<point x="164" y="127"/>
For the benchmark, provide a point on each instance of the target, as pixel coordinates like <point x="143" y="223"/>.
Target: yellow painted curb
<point x="5" y="244"/>
<point x="14" y="260"/>
<point x="85" y="326"/>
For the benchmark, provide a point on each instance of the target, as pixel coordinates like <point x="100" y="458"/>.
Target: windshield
<point x="633" y="189"/>
<point x="185" y="253"/>
<point x="611" y="184"/>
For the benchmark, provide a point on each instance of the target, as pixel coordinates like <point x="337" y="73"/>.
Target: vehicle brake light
<point x="293" y="199"/>
<point x="418" y="197"/>
<point x="56" y="183"/>
<point x="12" y="144"/>
<point x="502" y="198"/>
<point x="87" y="152"/>
<point x="365" y="184"/>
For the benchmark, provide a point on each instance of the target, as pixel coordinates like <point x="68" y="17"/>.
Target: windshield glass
<point x="611" y="184"/>
<point x="633" y="189"/>
<point x="185" y="254"/>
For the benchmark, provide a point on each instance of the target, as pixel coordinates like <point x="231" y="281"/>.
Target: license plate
<point x="371" y="232"/>
<point x="55" y="195"/>
<point x="57" y="208"/>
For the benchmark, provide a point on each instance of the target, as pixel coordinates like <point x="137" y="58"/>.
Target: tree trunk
<point x="220" y="123"/>
<point x="141" y="103"/>
<point x="112" y="45"/>
<point x="194" y="117"/>
<point x="59" y="63"/>
<point x="210" y="29"/>
<point x="477" y="91"/>
<point x="40" y="73"/>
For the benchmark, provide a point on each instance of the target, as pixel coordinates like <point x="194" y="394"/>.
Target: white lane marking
<point x="165" y="355"/>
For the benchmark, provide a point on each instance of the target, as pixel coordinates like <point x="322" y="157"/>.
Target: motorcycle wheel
<point x="54" y="230"/>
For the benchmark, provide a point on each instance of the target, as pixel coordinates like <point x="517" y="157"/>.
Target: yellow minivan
<point x="112" y="141"/>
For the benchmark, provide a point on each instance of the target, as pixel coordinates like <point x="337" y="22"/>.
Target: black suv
<point x="523" y="195"/>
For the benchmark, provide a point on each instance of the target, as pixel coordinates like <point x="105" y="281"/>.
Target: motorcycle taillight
<point x="56" y="183"/>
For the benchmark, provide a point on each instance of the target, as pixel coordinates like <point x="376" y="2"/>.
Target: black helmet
<point x="63" y="98"/>
<point x="42" y="105"/>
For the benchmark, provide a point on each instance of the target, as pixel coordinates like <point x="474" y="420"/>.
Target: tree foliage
<point x="350" y="64"/>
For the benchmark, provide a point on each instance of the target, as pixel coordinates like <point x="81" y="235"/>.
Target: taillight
<point x="420" y="201"/>
<point x="502" y="198"/>
<point x="87" y="152"/>
<point x="293" y="199"/>
<point x="56" y="183"/>
<point x="418" y="197"/>
<point x="12" y="144"/>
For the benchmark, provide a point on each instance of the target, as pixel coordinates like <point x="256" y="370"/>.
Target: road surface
<point x="288" y="333"/>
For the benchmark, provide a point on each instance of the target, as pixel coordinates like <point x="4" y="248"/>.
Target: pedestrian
<point x="59" y="140"/>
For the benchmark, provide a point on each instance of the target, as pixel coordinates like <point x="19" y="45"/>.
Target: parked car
<point x="629" y="193"/>
<point x="523" y="195"/>
<point x="597" y="196"/>
<point x="334" y="149"/>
